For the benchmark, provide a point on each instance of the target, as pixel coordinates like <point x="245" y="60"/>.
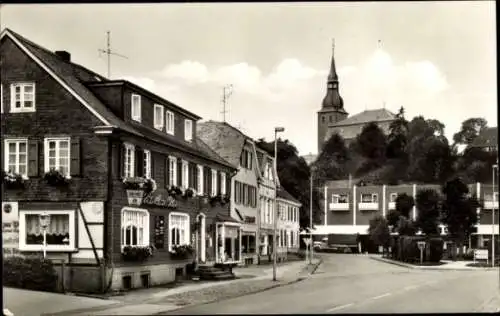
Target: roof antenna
<point x="227" y="91"/>
<point x="109" y="52"/>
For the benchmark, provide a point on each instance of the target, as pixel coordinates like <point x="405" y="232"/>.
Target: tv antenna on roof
<point x="109" y="52"/>
<point x="227" y="91"/>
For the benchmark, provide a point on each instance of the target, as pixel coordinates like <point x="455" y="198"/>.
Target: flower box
<point x="56" y="178"/>
<point x="13" y="180"/>
<point x="175" y="191"/>
<point x="140" y="183"/>
<point x="137" y="253"/>
<point x="181" y="252"/>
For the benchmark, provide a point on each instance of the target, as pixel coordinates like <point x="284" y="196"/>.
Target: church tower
<point x="332" y="110"/>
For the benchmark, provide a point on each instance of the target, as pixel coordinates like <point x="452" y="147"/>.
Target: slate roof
<point x="77" y="76"/>
<point x="71" y="75"/>
<point x="377" y="115"/>
<point x="487" y="138"/>
<point x="282" y="193"/>
<point x="226" y="140"/>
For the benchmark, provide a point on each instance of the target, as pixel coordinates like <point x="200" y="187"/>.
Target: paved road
<point x="356" y="284"/>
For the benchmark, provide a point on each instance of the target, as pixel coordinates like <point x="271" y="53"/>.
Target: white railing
<point x="339" y="206"/>
<point x="368" y="206"/>
<point x="490" y="204"/>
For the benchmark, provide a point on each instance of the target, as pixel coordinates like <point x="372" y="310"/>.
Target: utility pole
<point x="109" y="52"/>
<point x="227" y="91"/>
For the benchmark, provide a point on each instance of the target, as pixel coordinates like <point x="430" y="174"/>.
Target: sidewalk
<point x="149" y="302"/>
<point x="448" y="265"/>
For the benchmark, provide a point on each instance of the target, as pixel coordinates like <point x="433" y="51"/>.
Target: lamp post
<point x="275" y="215"/>
<point x="495" y="167"/>
<point x="311" y="248"/>
<point x="44" y="223"/>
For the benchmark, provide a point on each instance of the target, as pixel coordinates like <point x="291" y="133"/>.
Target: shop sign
<point x="159" y="200"/>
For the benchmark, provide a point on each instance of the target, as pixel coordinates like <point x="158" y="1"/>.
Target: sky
<point x="436" y="59"/>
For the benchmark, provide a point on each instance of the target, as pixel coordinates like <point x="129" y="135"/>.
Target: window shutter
<point x="139" y="159"/>
<point x="236" y="192"/>
<point x="219" y="176"/>
<point x="195" y="177"/>
<point x="179" y="172"/>
<point x="208" y="187"/>
<point x="152" y="157"/>
<point x="75" y="164"/>
<point x="33" y="155"/>
<point x="166" y="174"/>
<point x="191" y="175"/>
<point x="121" y="160"/>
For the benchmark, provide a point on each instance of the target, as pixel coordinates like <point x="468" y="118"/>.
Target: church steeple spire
<point x="333" y="98"/>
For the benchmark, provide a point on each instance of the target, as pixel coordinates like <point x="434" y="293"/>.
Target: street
<point x="358" y="284"/>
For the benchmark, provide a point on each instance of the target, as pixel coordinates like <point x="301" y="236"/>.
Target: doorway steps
<point x="214" y="273"/>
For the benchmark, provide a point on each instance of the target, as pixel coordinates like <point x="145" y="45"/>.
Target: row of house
<point x="127" y="177"/>
<point x="348" y="209"/>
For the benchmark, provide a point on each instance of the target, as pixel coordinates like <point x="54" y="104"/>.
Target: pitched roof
<point x="226" y="140"/>
<point x="74" y="78"/>
<point x="377" y="115"/>
<point x="487" y="138"/>
<point x="282" y="193"/>
<point x="70" y="74"/>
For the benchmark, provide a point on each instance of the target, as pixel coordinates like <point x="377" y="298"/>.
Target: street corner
<point x="389" y="261"/>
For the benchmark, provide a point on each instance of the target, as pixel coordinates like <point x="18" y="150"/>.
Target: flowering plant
<point x="138" y="183"/>
<point x="222" y="199"/>
<point x="174" y="190"/>
<point x="13" y="180"/>
<point x="55" y="177"/>
<point x="189" y="193"/>
<point x="137" y="253"/>
<point x="181" y="251"/>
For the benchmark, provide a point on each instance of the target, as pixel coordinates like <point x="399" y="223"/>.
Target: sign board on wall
<point x="10" y="228"/>
<point x="159" y="237"/>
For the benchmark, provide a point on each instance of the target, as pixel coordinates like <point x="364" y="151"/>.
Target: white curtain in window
<point x="59" y="224"/>
<point x="179" y="227"/>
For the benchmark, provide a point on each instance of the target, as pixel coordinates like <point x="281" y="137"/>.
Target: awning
<point x="225" y="218"/>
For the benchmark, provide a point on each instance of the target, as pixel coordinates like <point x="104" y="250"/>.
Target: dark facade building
<point x="122" y="173"/>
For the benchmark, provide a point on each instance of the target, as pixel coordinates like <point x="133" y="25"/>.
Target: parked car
<point x="319" y="246"/>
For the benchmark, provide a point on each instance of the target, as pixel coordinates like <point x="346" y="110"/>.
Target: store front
<point x="229" y="237"/>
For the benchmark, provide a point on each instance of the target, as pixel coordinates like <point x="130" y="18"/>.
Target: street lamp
<point x="275" y="217"/>
<point x="495" y="167"/>
<point x="44" y="219"/>
<point x="311" y="248"/>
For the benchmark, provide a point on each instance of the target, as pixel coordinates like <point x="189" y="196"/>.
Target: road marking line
<point x="340" y="307"/>
<point x="381" y="296"/>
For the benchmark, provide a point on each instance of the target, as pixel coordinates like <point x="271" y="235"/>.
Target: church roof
<point x="377" y="115"/>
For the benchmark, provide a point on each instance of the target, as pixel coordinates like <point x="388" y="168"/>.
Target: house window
<point x="369" y="198"/>
<point x="249" y="160"/>
<point x="135" y="227"/>
<point x="170" y="122"/>
<point x="147" y="164"/>
<point x="393" y="197"/>
<point x="172" y="169"/>
<point x="16" y="156"/>
<point x="159" y="117"/>
<point x="178" y="229"/>
<point x="340" y="198"/>
<point x="57" y="154"/>
<point x="22" y="97"/>
<point x="185" y="174"/>
<point x="214" y="182"/>
<point x="223" y="183"/>
<point x="199" y="175"/>
<point x="136" y="107"/>
<point x="60" y="234"/>
<point x="188" y="130"/>
<point x="129" y="161"/>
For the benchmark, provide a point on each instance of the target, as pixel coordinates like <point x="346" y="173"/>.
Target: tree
<point x="332" y="161"/>
<point x="433" y="163"/>
<point x="458" y="210"/>
<point x="404" y="204"/>
<point x="470" y="129"/>
<point x="393" y="219"/>
<point x="428" y="205"/>
<point x="398" y="137"/>
<point x="294" y="176"/>
<point x="406" y="227"/>
<point x="474" y="165"/>
<point x="378" y="230"/>
<point x="372" y="142"/>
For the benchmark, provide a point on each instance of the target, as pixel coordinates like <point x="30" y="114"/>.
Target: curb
<point x="409" y="266"/>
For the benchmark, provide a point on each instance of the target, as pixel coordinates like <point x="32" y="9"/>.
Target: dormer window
<point x="188" y="130"/>
<point x="214" y="182"/>
<point x="136" y="107"/>
<point x="159" y="117"/>
<point x="170" y="122"/>
<point x="22" y="96"/>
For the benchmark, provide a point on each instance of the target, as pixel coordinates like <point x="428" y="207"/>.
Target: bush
<point x="405" y="248"/>
<point x="436" y="249"/>
<point x="30" y="273"/>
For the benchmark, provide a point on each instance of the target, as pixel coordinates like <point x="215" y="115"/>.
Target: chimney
<point x="64" y="55"/>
